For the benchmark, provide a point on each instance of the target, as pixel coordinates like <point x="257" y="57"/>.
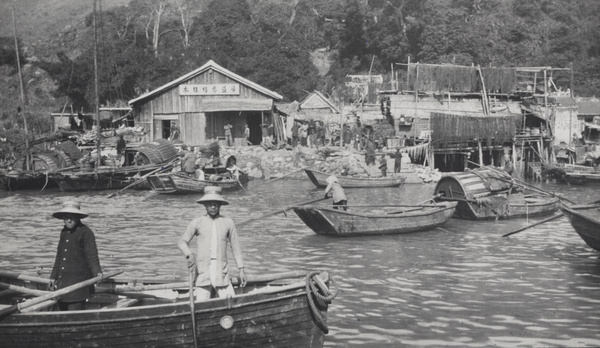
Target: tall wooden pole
<point x="22" y="89"/>
<point x="97" y="99"/>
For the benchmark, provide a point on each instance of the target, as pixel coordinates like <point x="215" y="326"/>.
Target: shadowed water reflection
<point x="459" y="285"/>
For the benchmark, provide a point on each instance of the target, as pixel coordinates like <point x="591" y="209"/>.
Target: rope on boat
<point x="317" y="288"/>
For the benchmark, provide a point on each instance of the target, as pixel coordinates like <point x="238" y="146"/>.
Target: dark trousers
<point x="72" y="306"/>
<point x="343" y="203"/>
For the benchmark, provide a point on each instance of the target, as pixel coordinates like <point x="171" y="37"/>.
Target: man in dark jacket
<point x="76" y="258"/>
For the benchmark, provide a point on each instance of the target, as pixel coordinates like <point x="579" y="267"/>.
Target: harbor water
<point x="459" y="285"/>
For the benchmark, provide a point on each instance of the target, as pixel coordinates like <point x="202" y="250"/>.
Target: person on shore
<point x="247" y="136"/>
<point x="228" y="138"/>
<point x="383" y="165"/>
<point x="174" y="132"/>
<point x="76" y="258"/>
<point x="506" y="164"/>
<point x="304" y="135"/>
<point x="120" y="149"/>
<point x="370" y="154"/>
<point x="214" y="232"/>
<point x="295" y="132"/>
<point x="189" y="162"/>
<point x="337" y="192"/>
<point x="397" y="156"/>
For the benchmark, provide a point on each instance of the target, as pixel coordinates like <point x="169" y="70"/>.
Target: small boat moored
<point x="487" y="194"/>
<point x="375" y="220"/>
<point x="585" y="219"/>
<point x="319" y="179"/>
<point x="181" y="183"/>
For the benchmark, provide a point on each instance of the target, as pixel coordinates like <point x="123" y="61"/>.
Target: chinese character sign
<point x="210" y="89"/>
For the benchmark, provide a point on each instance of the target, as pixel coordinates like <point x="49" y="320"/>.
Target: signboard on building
<point x="210" y="89"/>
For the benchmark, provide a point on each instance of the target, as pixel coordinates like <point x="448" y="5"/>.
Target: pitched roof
<point x="588" y="107"/>
<point x="216" y="67"/>
<point x="316" y="100"/>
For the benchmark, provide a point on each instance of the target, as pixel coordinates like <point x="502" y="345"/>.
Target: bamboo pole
<point x="96" y="97"/>
<point x="23" y="96"/>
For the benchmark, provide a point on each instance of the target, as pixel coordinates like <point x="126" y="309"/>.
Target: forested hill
<point x="290" y="46"/>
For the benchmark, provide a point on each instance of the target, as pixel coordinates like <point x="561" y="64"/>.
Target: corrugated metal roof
<point x="209" y="65"/>
<point x="588" y="107"/>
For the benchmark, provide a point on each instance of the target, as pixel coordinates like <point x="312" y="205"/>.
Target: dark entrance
<point x="254" y="120"/>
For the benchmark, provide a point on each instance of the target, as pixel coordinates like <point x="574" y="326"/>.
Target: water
<point x="460" y="285"/>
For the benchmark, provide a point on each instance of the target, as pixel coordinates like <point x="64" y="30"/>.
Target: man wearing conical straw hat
<point x="76" y="258"/>
<point x="213" y="231"/>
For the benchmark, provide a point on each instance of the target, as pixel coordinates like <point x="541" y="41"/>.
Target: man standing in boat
<point x="506" y="164"/>
<point x="76" y="258"/>
<point x="213" y="232"/>
<point x="337" y="192"/>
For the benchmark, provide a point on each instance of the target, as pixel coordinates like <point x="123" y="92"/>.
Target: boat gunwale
<point x="298" y="286"/>
<point x="424" y="212"/>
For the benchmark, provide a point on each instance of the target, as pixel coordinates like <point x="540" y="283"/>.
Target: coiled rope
<point x="324" y="295"/>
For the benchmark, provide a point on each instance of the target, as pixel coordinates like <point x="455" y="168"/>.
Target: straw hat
<point x="211" y="194"/>
<point x="70" y="207"/>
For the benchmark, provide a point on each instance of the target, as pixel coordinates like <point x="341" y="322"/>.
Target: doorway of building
<point x="254" y="119"/>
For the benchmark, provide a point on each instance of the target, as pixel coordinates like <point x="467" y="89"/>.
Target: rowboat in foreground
<point x="486" y="194"/>
<point x="585" y="219"/>
<point x="319" y="179"/>
<point x="375" y="220"/>
<point x="269" y="312"/>
<point x="180" y="183"/>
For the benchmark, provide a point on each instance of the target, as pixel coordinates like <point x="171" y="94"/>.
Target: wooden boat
<point x="318" y="178"/>
<point x="585" y="219"/>
<point x="155" y="156"/>
<point x="42" y="165"/>
<point x="374" y="221"/>
<point x="265" y="313"/>
<point x="180" y="183"/>
<point x="486" y="194"/>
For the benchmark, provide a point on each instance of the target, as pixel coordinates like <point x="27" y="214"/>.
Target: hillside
<point x="45" y="26"/>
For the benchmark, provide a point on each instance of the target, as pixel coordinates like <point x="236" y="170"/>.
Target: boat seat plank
<point x="124" y="302"/>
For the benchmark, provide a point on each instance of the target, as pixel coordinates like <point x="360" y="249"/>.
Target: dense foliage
<point x="272" y="42"/>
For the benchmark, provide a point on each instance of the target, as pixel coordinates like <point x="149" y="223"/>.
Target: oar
<point x="535" y="224"/>
<point x="521" y="182"/>
<point x="18" y="307"/>
<point x="23" y="290"/>
<point x="283" y="176"/>
<point x="283" y="210"/>
<point x="144" y="177"/>
<point x="192" y="306"/>
<point x="20" y="276"/>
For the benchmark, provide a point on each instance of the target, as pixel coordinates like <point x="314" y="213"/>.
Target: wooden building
<point x="472" y="115"/>
<point x="201" y="103"/>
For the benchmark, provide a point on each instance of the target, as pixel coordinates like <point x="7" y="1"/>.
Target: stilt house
<point x="202" y="102"/>
<point x="471" y="115"/>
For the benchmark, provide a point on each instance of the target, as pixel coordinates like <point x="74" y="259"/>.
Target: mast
<point x="97" y="99"/>
<point x="22" y="89"/>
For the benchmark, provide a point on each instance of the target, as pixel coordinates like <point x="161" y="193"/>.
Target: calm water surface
<point x="460" y="285"/>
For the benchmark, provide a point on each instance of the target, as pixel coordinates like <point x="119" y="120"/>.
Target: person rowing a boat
<point x="76" y="258"/>
<point x="213" y="232"/>
<point x="337" y="192"/>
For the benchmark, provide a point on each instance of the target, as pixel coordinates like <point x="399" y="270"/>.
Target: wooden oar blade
<point x="534" y="224"/>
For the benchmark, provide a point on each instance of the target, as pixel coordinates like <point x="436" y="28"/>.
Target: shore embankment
<point x="271" y="164"/>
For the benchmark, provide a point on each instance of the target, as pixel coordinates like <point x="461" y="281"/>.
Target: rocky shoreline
<point x="271" y="164"/>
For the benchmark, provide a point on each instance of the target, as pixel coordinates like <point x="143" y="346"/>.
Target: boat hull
<point x="276" y="317"/>
<point x="533" y="206"/>
<point x="586" y="222"/>
<point x="342" y="223"/>
<point x="108" y="179"/>
<point x="179" y="183"/>
<point x="319" y="179"/>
